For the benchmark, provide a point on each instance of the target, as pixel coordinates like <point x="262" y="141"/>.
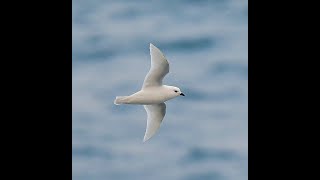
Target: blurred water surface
<point x="205" y="134"/>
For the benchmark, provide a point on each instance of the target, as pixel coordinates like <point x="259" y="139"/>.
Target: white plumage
<point x="153" y="94"/>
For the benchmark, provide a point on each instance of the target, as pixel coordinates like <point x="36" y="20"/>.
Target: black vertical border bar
<point x="261" y="86"/>
<point x="58" y="60"/>
<point x="60" y="88"/>
<point x="38" y="85"/>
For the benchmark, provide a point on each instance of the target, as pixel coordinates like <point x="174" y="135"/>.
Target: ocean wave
<point x="197" y="154"/>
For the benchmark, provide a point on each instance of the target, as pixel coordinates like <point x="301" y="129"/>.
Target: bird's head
<point x="174" y="91"/>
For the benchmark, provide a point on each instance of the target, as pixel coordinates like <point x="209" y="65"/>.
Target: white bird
<point x="153" y="94"/>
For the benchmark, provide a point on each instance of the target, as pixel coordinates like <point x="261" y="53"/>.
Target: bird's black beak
<point x="182" y="94"/>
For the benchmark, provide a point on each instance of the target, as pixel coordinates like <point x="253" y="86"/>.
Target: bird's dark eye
<point x="175" y="91"/>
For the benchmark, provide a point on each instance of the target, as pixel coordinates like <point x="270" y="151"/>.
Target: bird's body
<point x="153" y="94"/>
<point x="147" y="96"/>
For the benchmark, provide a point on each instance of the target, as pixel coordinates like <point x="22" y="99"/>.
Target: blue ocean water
<point x="205" y="134"/>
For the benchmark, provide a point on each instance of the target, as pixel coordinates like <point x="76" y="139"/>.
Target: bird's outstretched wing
<point x="159" y="68"/>
<point x="156" y="113"/>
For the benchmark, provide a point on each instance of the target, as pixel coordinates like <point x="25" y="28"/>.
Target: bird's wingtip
<point x="145" y="138"/>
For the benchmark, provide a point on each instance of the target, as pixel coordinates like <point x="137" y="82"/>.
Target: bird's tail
<point x="120" y="100"/>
